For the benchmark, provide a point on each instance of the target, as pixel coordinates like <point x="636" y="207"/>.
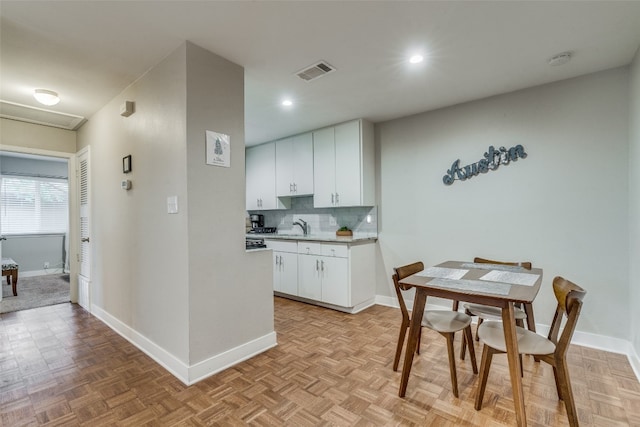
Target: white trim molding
<point x="188" y="374"/>
<point x="222" y="361"/>
<point x="585" y="339"/>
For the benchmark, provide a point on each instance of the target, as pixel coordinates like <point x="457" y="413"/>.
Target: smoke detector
<point x="561" y="58"/>
<point x="315" y="71"/>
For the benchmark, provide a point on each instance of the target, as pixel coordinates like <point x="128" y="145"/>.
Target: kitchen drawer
<point x="339" y="251"/>
<point x="309" y="248"/>
<point x="282" y="246"/>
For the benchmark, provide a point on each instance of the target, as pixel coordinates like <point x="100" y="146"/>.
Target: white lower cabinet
<point x="336" y="275"/>
<point x="285" y="266"/>
<point x="335" y="281"/>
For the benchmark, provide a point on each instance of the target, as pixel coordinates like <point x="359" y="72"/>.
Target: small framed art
<point x="126" y="164"/>
<point x="218" y="151"/>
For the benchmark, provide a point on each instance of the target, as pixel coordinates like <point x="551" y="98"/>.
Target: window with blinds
<point x="34" y="205"/>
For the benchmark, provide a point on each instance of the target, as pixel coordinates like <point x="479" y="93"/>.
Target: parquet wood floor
<point x="61" y="366"/>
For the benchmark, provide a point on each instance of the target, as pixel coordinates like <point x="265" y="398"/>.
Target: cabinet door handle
<point x="332" y="200"/>
<point x="295" y="187"/>
<point x="337" y="199"/>
<point x="276" y="259"/>
<point x="290" y="188"/>
<point x="322" y="265"/>
<point x="317" y="265"/>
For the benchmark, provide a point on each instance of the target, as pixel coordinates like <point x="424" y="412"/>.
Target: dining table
<point x="489" y="284"/>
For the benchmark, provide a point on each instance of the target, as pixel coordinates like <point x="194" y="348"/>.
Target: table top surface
<point x="489" y="284"/>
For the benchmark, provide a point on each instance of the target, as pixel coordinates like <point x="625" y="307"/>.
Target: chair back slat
<point x="526" y="265"/>
<point x="569" y="296"/>
<point x="399" y="274"/>
<point x="408" y="270"/>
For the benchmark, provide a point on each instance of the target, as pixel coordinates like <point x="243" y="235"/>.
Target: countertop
<point x="327" y="237"/>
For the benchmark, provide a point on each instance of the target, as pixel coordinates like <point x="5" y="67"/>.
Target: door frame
<point x="74" y="229"/>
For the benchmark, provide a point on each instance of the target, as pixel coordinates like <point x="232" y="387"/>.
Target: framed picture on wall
<point x="126" y="164"/>
<point x="218" y="150"/>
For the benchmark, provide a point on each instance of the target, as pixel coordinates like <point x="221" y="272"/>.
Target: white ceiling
<point x="90" y="51"/>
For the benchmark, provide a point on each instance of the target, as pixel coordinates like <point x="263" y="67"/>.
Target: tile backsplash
<point x="363" y="220"/>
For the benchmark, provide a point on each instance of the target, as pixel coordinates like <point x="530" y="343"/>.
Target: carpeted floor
<point x="35" y="291"/>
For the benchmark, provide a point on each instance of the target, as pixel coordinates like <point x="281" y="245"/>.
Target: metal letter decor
<point x="492" y="159"/>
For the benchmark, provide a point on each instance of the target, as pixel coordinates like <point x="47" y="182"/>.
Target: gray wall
<point x="182" y="281"/>
<point x="564" y="207"/>
<point x="634" y="203"/>
<point x="31" y="252"/>
<point x="28" y="136"/>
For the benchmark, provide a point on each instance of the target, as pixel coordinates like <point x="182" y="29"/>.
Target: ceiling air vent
<point x="315" y="71"/>
<point x="25" y="113"/>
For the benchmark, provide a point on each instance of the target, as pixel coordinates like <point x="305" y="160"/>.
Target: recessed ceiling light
<point x="287" y="103"/>
<point x="561" y="58"/>
<point x="416" y="59"/>
<point x="46" y="97"/>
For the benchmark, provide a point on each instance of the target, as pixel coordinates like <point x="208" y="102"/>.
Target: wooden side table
<point x="10" y="269"/>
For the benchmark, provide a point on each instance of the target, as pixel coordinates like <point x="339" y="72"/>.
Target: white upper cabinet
<point x="260" y="163"/>
<point x="324" y="168"/>
<point x="294" y="166"/>
<point x="343" y="165"/>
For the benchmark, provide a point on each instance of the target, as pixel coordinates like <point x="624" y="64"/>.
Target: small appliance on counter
<point x="257" y="220"/>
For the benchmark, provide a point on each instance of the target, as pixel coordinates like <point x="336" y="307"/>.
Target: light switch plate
<point x="172" y="204"/>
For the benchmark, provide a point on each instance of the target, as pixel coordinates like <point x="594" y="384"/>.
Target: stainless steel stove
<point x="255" y="243"/>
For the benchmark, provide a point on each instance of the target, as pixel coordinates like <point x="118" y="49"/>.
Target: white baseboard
<point x="34" y="273"/>
<point x="187" y="374"/>
<point x="222" y="361"/>
<point x="351" y="310"/>
<point x="585" y="339"/>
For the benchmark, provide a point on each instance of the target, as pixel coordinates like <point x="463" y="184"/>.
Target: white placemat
<point x="447" y="273"/>
<point x="525" y="279"/>
<point x="472" y="285"/>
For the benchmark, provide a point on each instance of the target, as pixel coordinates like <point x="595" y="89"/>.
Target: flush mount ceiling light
<point x="46" y="97"/>
<point x="287" y="103"/>
<point x="561" y="58"/>
<point x="416" y="59"/>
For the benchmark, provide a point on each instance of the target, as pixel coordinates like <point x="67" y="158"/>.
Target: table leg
<point x="511" y="341"/>
<point x="14" y="282"/>
<point x="419" y="302"/>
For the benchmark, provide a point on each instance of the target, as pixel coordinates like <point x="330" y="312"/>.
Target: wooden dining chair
<point x="487" y="312"/>
<point x="552" y="350"/>
<point x="445" y="322"/>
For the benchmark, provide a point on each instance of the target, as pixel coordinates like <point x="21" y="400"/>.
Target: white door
<point x="348" y="167"/>
<point x="84" y="255"/>
<point x="324" y="168"/>
<point x="303" y="164"/>
<point x="309" y="279"/>
<point x="288" y="264"/>
<point x="335" y="281"/>
<point x="284" y="169"/>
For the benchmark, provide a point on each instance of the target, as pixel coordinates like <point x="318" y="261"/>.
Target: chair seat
<point x="445" y="321"/>
<point x="492" y="334"/>
<point x="492" y="313"/>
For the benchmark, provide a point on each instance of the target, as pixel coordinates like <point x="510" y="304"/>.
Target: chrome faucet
<point x="303" y="225"/>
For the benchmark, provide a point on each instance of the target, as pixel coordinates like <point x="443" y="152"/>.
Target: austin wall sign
<point x="492" y="159"/>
